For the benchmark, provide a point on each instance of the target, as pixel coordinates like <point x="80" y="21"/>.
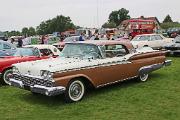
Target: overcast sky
<point x="16" y="14"/>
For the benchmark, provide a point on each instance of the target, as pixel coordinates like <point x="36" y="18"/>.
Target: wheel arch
<point x="88" y="83"/>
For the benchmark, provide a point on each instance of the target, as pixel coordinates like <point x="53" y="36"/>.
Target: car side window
<point x="158" y="37"/>
<point x="146" y="38"/>
<point x="115" y="50"/>
<point x="44" y="52"/>
<point x="1" y="46"/>
<point x="5" y="46"/>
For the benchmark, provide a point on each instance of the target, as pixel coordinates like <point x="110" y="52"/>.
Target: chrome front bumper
<point x="48" y="91"/>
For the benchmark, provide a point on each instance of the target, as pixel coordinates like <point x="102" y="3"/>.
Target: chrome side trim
<point x="95" y="66"/>
<point x="102" y="85"/>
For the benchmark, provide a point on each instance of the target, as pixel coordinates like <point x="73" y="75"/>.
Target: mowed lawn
<point x="156" y="99"/>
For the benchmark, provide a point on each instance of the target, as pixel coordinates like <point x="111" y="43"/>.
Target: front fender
<point x="63" y="81"/>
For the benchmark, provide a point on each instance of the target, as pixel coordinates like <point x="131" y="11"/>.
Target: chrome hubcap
<point x="75" y="90"/>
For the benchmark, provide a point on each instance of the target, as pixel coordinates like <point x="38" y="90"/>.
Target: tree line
<point x="62" y="23"/>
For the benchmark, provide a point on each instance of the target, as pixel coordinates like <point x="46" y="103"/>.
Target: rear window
<point x="115" y="50"/>
<point x="46" y="52"/>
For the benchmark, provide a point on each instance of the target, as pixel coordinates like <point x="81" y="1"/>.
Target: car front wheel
<point x="143" y="77"/>
<point x="7" y="75"/>
<point x="75" y="91"/>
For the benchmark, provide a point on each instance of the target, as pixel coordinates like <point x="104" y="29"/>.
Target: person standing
<point x="20" y="42"/>
<point x="81" y="38"/>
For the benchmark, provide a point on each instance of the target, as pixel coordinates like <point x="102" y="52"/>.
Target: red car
<point x="21" y="55"/>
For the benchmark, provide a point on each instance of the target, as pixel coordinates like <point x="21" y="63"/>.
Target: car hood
<point x="52" y="65"/>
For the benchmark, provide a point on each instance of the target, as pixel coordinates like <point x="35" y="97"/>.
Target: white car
<point x="46" y="50"/>
<point x="156" y="41"/>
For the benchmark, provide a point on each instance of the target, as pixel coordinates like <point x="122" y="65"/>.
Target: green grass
<point x="156" y="99"/>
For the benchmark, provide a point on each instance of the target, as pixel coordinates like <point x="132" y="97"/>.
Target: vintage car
<point x="88" y="63"/>
<point x="27" y="53"/>
<point x="6" y="48"/>
<point x="156" y="41"/>
<point x="174" y="47"/>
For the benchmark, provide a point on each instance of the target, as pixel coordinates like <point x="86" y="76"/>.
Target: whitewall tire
<point x="143" y="77"/>
<point x="6" y="75"/>
<point x="74" y="91"/>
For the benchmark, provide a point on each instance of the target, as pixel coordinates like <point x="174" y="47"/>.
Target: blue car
<point x="6" y="48"/>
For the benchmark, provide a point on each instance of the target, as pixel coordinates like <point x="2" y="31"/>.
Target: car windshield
<point x="82" y="51"/>
<point x="26" y="52"/>
<point x="177" y="39"/>
<point x="141" y="38"/>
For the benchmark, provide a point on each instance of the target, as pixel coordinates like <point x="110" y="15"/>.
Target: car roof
<point x="105" y="42"/>
<point x="40" y="46"/>
<point x="147" y="34"/>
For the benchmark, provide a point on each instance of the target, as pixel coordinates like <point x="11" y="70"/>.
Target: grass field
<point x="156" y="99"/>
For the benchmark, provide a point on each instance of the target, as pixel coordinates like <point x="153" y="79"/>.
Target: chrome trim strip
<point x="102" y="85"/>
<point x="95" y="66"/>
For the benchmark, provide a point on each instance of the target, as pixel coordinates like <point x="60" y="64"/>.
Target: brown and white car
<point x="96" y="63"/>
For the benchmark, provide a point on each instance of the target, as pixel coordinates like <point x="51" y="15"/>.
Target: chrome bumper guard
<point x="48" y="91"/>
<point x="167" y="62"/>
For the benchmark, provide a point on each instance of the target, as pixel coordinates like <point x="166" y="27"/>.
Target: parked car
<point x="87" y="63"/>
<point x="6" y="48"/>
<point x="46" y="50"/>
<point x="173" y="32"/>
<point x="27" y="53"/>
<point x="174" y="47"/>
<point x="156" y="41"/>
<point x="60" y="45"/>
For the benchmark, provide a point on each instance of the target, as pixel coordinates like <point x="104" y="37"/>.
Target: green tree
<point x="25" y="31"/>
<point x="118" y="16"/>
<point x="167" y="19"/>
<point x="169" y="25"/>
<point x="31" y="31"/>
<point x="57" y="24"/>
<point x="13" y="33"/>
<point x="109" y="25"/>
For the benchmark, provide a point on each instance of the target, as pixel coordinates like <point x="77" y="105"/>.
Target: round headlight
<point x="46" y="74"/>
<point x="15" y="70"/>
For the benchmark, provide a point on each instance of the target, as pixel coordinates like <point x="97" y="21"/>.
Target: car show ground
<point x="156" y="99"/>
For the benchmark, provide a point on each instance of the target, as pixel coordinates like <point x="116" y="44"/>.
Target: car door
<point x="115" y="67"/>
<point x="158" y="41"/>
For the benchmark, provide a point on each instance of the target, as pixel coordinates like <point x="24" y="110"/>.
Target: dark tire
<point x="6" y="75"/>
<point x="74" y="91"/>
<point x="143" y="77"/>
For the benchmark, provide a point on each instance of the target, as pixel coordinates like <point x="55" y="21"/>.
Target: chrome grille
<point x="31" y="81"/>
